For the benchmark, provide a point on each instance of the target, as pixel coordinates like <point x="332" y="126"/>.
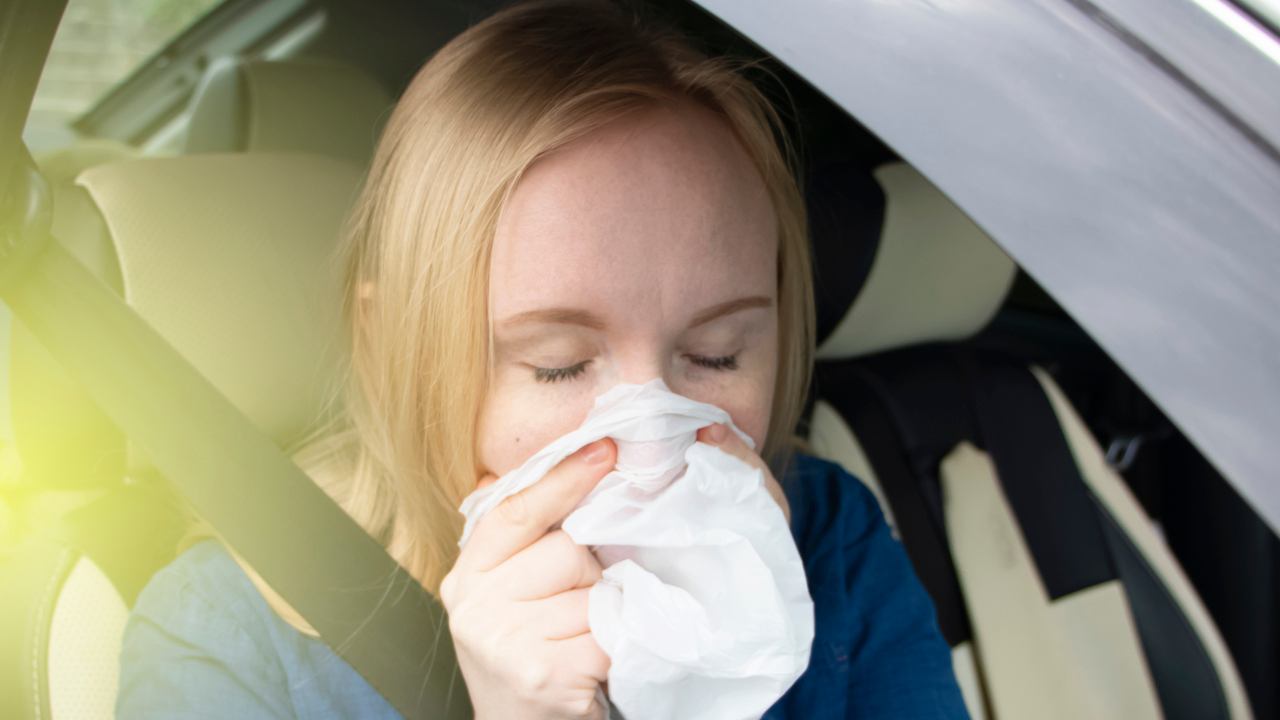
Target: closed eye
<point x="551" y="375"/>
<point x="723" y="363"/>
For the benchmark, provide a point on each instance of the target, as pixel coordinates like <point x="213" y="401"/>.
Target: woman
<point x="565" y="198"/>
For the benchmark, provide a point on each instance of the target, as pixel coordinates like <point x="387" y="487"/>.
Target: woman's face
<point x="645" y="249"/>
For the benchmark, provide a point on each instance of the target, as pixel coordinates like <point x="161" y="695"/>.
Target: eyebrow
<point x="585" y="318"/>
<point x="558" y="316"/>
<point x="716" y="312"/>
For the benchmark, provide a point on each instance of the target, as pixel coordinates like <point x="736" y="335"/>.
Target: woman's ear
<point x="365" y="304"/>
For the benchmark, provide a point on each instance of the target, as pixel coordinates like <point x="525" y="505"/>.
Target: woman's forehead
<point x="662" y="207"/>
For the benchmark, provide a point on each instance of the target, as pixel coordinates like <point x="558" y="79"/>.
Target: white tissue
<point x="703" y="607"/>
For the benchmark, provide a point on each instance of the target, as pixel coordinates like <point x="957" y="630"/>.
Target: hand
<point x="517" y="601"/>
<point x="725" y="439"/>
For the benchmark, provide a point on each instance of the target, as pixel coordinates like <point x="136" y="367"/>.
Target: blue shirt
<point x="202" y="642"/>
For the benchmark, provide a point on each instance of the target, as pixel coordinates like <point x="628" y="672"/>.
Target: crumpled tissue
<point x="703" y="607"/>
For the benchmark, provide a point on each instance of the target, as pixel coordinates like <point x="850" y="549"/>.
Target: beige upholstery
<point x="85" y="631"/>
<point x="936" y="276"/>
<point x="1111" y="490"/>
<point x="1078" y="657"/>
<point x="1103" y="638"/>
<point x="231" y="259"/>
<point x="965" y="666"/>
<point x="307" y="106"/>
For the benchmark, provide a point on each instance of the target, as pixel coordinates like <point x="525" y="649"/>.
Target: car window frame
<point x="149" y="104"/>
<point x="1073" y="128"/>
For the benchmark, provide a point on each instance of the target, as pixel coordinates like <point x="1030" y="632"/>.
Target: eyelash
<point x="725" y="363"/>
<point x="551" y="375"/>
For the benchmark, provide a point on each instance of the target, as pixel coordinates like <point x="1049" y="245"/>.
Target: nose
<point x="644" y="373"/>
<point x="641" y="362"/>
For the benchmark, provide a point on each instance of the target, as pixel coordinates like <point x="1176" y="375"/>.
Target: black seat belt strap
<point x="1039" y="476"/>
<point x="882" y="430"/>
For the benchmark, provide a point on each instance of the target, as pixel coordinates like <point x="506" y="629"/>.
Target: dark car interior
<point x="1141" y="576"/>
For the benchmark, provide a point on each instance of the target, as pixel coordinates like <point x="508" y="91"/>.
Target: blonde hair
<point x="490" y="103"/>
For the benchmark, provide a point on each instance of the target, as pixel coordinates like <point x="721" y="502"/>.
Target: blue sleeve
<point x="877" y="631"/>
<point x="188" y="654"/>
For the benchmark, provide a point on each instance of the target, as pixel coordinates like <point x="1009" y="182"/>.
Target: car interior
<point x="1081" y="553"/>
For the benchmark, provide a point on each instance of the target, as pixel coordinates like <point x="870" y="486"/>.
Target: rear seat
<point x="1052" y="587"/>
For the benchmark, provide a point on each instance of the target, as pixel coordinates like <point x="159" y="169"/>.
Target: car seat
<point x="240" y="105"/>
<point x="230" y="258"/>
<point x="1056" y="594"/>
<point x="244" y="225"/>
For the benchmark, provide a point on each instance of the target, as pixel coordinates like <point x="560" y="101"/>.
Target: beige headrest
<point x="232" y="259"/>
<point x="303" y="106"/>
<point x="936" y="276"/>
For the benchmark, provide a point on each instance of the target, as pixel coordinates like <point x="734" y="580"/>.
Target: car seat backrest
<point x="895" y="398"/>
<point x="918" y="271"/>
<point x="934" y="275"/>
<point x="232" y="259"/>
<point x="310" y="106"/>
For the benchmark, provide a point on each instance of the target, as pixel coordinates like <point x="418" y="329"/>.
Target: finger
<point x="559" y="617"/>
<point x="552" y="564"/>
<point x="583" y="654"/>
<point x="521" y="519"/>
<point x="724" y="438"/>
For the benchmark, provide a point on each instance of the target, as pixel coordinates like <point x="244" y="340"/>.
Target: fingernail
<point x="717" y="433"/>
<point x="595" y="452"/>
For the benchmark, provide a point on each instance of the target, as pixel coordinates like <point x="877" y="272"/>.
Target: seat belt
<point x="886" y="432"/>
<point x="364" y="605"/>
<point x="1024" y="532"/>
